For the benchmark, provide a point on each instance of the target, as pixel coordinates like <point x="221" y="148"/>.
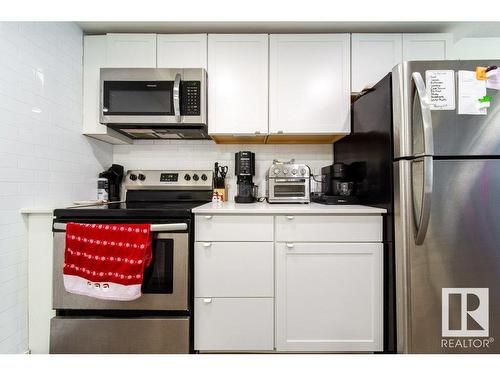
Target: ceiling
<point x="460" y="29"/>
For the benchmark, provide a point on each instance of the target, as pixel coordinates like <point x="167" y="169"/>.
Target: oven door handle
<point x="154" y="227"/>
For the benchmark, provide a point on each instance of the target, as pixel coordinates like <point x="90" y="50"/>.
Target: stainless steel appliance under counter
<point x="147" y="335"/>
<point x="160" y="320"/>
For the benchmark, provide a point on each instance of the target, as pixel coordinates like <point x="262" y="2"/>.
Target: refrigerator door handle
<point x="422" y="222"/>
<point x="423" y="97"/>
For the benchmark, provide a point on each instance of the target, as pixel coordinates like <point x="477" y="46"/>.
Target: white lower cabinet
<point x="234" y="324"/>
<point x="329" y="297"/>
<point x="301" y="283"/>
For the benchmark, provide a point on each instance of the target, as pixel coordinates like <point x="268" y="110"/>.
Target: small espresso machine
<point x="244" y="169"/>
<point x="336" y="186"/>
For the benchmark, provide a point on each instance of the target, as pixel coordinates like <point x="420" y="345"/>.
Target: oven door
<point x="166" y="280"/>
<point x="288" y="189"/>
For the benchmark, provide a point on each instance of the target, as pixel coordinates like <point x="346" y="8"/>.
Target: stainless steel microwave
<point x="149" y="103"/>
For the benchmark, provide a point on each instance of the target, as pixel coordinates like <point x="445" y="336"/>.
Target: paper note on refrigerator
<point x="470" y="90"/>
<point x="441" y="89"/>
<point x="493" y="81"/>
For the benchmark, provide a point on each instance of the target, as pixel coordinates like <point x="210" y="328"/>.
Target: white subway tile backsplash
<point x="44" y="159"/>
<point x="202" y="155"/>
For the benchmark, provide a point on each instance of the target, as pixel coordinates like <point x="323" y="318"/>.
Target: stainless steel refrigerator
<point x="442" y="193"/>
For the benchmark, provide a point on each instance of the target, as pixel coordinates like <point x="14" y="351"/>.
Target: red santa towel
<point x="106" y="261"/>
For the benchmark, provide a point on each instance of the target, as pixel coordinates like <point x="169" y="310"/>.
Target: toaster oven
<point x="288" y="182"/>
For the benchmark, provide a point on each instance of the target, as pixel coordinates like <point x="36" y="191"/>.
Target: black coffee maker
<point x="114" y="175"/>
<point x="336" y="186"/>
<point x="244" y="169"/>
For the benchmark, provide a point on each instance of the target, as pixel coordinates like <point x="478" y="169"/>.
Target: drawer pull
<point x="290" y="245"/>
<point x="207" y="300"/>
<point x="290" y="217"/>
<point x="208" y="217"/>
<point x="207" y="244"/>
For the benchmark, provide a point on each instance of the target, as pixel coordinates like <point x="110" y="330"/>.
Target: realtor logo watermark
<point x="465" y="318"/>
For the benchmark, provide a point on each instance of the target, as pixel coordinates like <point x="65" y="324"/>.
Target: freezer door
<point x="459" y="248"/>
<point x="452" y="134"/>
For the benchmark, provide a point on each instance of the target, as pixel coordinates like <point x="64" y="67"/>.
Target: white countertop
<point x="37" y="210"/>
<point x="280" y="208"/>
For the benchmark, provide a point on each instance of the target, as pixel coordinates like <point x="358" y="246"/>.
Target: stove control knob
<point x="141" y="177"/>
<point x="196" y="177"/>
<point x="277" y="171"/>
<point x="285" y="171"/>
<point x="204" y="177"/>
<point x="303" y="171"/>
<point x="294" y="171"/>
<point x="133" y="177"/>
<point x="187" y="177"/>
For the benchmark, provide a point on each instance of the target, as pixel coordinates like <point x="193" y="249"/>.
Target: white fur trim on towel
<point x="101" y="290"/>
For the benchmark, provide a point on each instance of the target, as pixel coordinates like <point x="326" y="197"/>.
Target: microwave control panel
<point x="190" y="98"/>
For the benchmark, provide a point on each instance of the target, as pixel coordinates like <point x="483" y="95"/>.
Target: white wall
<point x="203" y="154"/>
<point x="44" y="159"/>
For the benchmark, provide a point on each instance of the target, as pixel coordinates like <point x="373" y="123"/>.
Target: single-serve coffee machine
<point x="244" y="169"/>
<point x="336" y="186"/>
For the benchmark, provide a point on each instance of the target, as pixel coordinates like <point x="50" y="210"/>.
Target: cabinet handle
<point x="208" y="217"/>
<point x="207" y="300"/>
<point x="290" y="217"/>
<point x="244" y="134"/>
<point x="207" y="244"/>
<point x="290" y="245"/>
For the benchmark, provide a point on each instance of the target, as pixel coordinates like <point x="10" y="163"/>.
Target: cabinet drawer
<point x="329" y="228"/>
<point x="234" y="269"/>
<point x="233" y="228"/>
<point x="238" y="324"/>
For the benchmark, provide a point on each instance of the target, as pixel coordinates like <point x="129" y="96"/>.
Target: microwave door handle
<point x="177" y="107"/>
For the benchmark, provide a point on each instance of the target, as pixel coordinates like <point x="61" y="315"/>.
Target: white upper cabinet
<point x="427" y="46"/>
<point x="373" y="56"/>
<point x="237" y="84"/>
<point x="182" y="51"/>
<point x="131" y="50"/>
<point x="94" y="58"/>
<point x="309" y="84"/>
<point x="476" y="49"/>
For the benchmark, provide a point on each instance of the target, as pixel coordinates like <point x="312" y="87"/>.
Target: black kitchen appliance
<point x="244" y="169"/>
<point x="337" y="186"/>
<point x="114" y="175"/>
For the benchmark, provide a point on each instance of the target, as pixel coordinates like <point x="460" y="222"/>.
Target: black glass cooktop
<point x="129" y="210"/>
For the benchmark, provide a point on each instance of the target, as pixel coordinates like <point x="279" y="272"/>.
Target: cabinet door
<point x="329" y="297"/>
<point x="476" y="49"/>
<point x="426" y="46"/>
<point x="237" y="84"/>
<point x="131" y="50"/>
<point x="94" y="58"/>
<point x="309" y="84"/>
<point x="182" y="51"/>
<point x="374" y="56"/>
